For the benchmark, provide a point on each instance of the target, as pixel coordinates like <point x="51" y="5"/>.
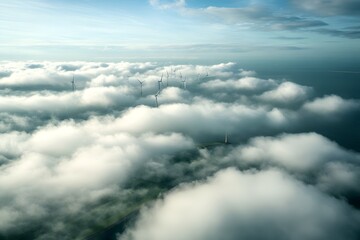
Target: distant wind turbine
<point x="156" y="98"/>
<point x="141" y="87"/>
<point x="226" y="140"/>
<point x="174" y="73"/>
<point x="160" y="82"/>
<point x="181" y="80"/>
<point x="206" y="75"/>
<point x="73" y="83"/>
<point x="167" y="79"/>
<point x="184" y="83"/>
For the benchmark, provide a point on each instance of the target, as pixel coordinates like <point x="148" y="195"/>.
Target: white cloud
<point x="245" y="83"/>
<point x="72" y="162"/>
<point x="309" y="156"/>
<point x="287" y="93"/>
<point x="304" y="152"/>
<point x="233" y="205"/>
<point x="331" y="106"/>
<point x="168" y="4"/>
<point x="340" y="179"/>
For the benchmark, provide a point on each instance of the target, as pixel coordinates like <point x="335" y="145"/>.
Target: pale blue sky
<point x="115" y="30"/>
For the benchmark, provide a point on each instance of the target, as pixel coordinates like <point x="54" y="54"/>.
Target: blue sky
<point x="182" y="30"/>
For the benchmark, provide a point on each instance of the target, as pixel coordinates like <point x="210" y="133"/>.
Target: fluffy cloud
<point x="246" y="84"/>
<point x="331" y="106"/>
<point x="233" y="205"/>
<point x="301" y="152"/>
<point x="77" y="163"/>
<point x="341" y="180"/>
<point x="287" y="93"/>
<point x="308" y="156"/>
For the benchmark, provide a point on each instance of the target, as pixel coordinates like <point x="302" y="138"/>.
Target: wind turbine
<point x="141" y="85"/>
<point x="180" y="75"/>
<point x="156" y="98"/>
<point x="160" y="82"/>
<point x="174" y="73"/>
<point x="184" y="83"/>
<point x="73" y="83"/>
<point x="226" y="140"/>
<point x="167" y="79"/>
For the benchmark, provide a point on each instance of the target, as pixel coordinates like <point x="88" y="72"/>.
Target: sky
<point x="182" y="31"/>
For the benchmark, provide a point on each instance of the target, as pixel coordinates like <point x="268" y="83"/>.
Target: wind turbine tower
<point x="226" y="141"/>
<point x="73" y="83"/>
<point x="156" y="98"/>
<point x="141" y="87"/>
<point x="167" y="79"/>
<point x="160" y="82"/>
<point x="184" y="83"/>
<point x="181" y="80"/>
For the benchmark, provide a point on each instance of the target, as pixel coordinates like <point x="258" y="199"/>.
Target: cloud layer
<point x="73" y="163"/>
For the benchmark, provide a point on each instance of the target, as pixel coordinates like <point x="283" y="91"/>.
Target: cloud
<point x="331" y="105"/>
<point x="63" y="104"/>
<point x="4" y="74"/>
<point x="245" y="84"/>
<point x="247" y="16"/>
<point x="310" y="157"/>
<point x="71" y="163"/>
<point x="265" y="18"/>
<point x="289" y="38"/>
<point x="346" y="33"/>
<point x="340" y="179"/>
<point x="305" y="152"/>
<point x="330" y="8"/>
<point x="34" y="65"/>
<point x="287" y="93"/>
<point x="10" y="122"/>
<point x="167" y="4"/>
<point x="261" y="17"/>
<point x="251" y="205"/>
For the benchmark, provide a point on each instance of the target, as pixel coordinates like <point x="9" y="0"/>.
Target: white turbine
<point x="156" y="98"/>
<point x="73" y="83"/>
<point x="160" y="82"/>
<point x="141" y="86"/>
<point x="184" y="83"/>
<point x="181" y="80"/>
<point x="167" y="79"/>
<point x="206" y="75"/>
<point x="226" y="140"/>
